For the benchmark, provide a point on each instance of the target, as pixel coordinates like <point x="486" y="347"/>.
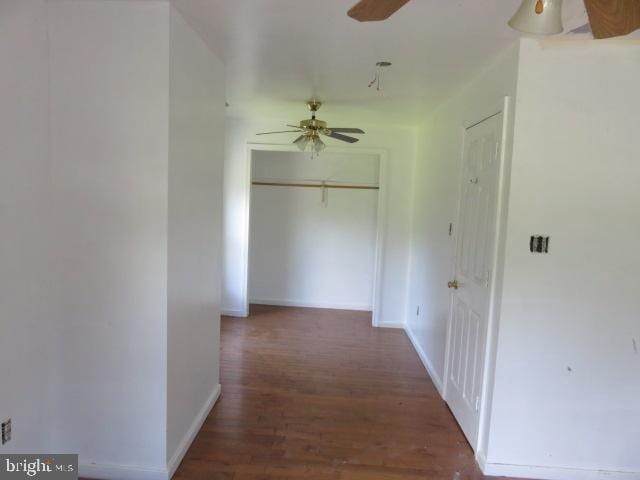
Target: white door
<point x="471" y="288"/>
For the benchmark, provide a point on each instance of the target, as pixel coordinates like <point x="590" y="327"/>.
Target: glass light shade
<point x="302" y="143"/>
<point x="540" y="17"/>
<point x="318" y="145"/>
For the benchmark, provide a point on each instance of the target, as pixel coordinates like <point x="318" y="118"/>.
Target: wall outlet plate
<point x="6" y="431"/>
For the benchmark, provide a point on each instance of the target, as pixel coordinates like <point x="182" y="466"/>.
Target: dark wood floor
<point x="320" y="394"/>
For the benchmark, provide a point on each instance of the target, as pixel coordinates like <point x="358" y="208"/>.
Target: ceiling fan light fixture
<point x="318" y="145"/>
<point x="302" y="142"/>
<point x="539" y="17"/>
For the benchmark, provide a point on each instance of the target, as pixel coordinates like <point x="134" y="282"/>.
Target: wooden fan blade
<point x="612" y="18"/>
<point x="347" y="130"/>
<point x="341" y="137"/>
<point x="283" y="131"/>
<point x="375" y="10"/>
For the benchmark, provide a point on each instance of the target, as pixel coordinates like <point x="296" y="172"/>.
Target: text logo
<point x="30" y="466"/>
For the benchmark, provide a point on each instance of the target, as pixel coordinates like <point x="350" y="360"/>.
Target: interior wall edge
<point x="190" y="435"/>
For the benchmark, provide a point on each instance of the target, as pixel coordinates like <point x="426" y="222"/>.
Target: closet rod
<point x="316" y="185"/>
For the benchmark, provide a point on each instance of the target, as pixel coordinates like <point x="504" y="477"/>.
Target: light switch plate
<point x="539" y="244"/>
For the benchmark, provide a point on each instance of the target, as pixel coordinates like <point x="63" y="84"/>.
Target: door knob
<point x="453" y="284"/>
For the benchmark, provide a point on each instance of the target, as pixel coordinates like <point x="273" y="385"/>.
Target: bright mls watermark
<point x="52" y="467"/>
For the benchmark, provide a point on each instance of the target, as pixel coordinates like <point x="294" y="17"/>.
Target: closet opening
<point x="315" y="228"/>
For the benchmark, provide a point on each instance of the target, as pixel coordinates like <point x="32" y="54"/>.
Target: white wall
<point x="305" y="253"/>
<point x="104" y="205"/>
<point x="564" y="395"/>
<point x="26" y="342"/>
<point x="108" y="126"/>
<point x="400" y="144"/>
<point x="331" y="166"/>
<point x="196" y="141"/>
<point x="567" y="384"/>
<point x="435" y="204"/>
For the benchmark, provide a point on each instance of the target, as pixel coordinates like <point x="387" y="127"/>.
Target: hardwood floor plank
<point x="320" y="394"/>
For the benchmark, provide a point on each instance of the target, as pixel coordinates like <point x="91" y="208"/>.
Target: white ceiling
<point x="279" y="53"/>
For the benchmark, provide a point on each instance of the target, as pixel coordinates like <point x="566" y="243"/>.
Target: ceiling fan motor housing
<point x="313" y="127"/>
<point x="313" y="124"/>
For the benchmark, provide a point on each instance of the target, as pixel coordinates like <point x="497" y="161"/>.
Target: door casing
<point x="504" y="106"/>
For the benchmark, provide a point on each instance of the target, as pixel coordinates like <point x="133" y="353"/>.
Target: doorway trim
<point x="382" y="155"/>
<point x="504" y="106"/>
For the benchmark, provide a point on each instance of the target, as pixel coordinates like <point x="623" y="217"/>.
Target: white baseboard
<point x="234" y="313"/>
<point x="186" y="442"/>
<point x="305" y="304"/>
<point x="437" y="381"/>
<point x="390" y="325"/>
<point x="481" y="460"/>
<point x="137" y="472"/>
<point x="552" y="473"/>
<point x="120" y="472"/>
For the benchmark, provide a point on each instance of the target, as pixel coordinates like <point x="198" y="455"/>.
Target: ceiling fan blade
<point x="339" y="136"/>
<point x="612" y="18"/>
<point x="283" y="131"/>
<point x="347" y="130"/>
<point x="375" y="10"/>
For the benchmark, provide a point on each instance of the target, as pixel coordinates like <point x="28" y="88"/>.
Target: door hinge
<point x="477" y="403"/>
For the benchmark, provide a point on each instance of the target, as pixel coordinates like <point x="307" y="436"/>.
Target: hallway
<point x="320" y="394"/>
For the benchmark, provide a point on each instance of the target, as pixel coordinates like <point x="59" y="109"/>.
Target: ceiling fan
<point x="312" y="128"/>
<point x="608" y="18"/>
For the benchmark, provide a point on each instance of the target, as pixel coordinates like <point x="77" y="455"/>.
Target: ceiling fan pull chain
<point x="374" y="81"/>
